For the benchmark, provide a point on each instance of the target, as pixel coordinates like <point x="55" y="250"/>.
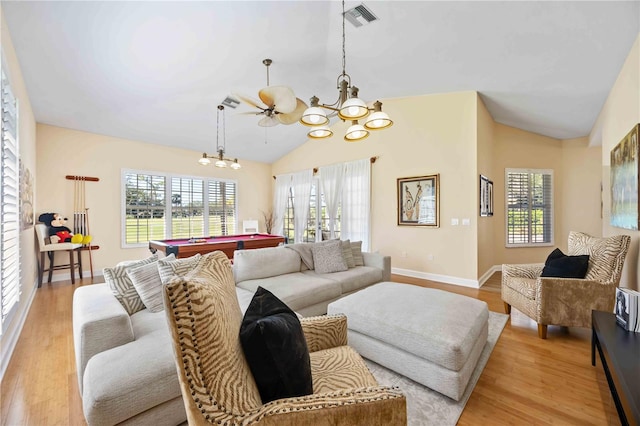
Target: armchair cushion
<point x="560" y="265"/>
<point x="606" y="255"/>
<point x="338" y="369"/>
<point x="275" y="348"/>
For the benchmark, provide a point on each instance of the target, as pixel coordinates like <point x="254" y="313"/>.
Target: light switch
<point x="455" y="221"/>
<point x="466" y="222"/>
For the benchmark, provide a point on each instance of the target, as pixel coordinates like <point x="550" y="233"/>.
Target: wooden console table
<point x="620" y="355"/>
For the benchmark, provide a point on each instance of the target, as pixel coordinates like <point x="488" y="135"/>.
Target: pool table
<point x="185" y="247"/>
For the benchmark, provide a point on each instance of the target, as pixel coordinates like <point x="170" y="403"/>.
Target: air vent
<point x="360" y="15"/>
<point x="230" y="102"/>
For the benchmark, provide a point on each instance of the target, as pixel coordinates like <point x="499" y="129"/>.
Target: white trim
<point x="64" y="276"/>
<point x="9" y="341"/>
<point x="447" y="279"/>
<point x="492" y="270"/>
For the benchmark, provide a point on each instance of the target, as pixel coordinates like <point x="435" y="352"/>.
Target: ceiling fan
<point x="278" y="104"/>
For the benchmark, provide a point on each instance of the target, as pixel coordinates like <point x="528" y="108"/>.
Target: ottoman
<point x="431" y="336"/>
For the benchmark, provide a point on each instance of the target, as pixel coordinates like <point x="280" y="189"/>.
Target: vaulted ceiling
<point x="155" y="71"/>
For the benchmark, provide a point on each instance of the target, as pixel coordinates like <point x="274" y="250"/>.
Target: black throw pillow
<point x="560" y="265"/>
<point x="275" y="348"/>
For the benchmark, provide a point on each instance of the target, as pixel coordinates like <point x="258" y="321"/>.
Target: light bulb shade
<point x="378" y="120"/>
<point x="221" y="163"/>
<point x="353" y="109"/>
<point x="204" y="161"/>
<point x="356" y="132"/>
<point x="314" y="116"/>
<point x="320" y="132"/>
<point x="235" y="165"/>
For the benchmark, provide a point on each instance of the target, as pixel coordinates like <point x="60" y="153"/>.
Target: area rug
<point x="428" y="407"/>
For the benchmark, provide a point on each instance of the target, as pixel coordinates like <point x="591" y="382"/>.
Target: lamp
<point x="221" y="162"/>
<point x="348" y="107"/>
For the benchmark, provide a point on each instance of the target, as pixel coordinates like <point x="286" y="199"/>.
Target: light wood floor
<point x="527" y="381"/>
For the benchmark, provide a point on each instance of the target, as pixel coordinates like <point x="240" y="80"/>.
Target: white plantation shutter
<point x="529" y="202"/>
<point x="222" y="208"/>
<point x="9" y="212"/>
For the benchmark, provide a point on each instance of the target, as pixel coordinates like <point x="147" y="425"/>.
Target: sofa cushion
<point x="275" y="348"/>
<point x="148" y="285"/>
<point x="117" y="382"/>
<point x="352" y="279"/>
<point x="327" y="257"/>
<point x="263" y="263"/>
<point x="169" y="268"/>
<point x="347" y="253"/>
<point x="121" y="285"/>
<point x="297" y="290"/>
<point x="356" y="248"/>
<point x="560" y="265"/>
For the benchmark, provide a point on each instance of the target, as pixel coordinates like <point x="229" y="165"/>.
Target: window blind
<point x="9" y="210"/>
<point x="144" y="208"/>
<point x="529" y="195"/>
<point x="222" y="208"/>
<point x="187" y="207"/>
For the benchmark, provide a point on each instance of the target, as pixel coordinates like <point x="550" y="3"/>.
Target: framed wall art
<point x="486" y="196"/>
<point x="624" y="181"/>
<point x="419" y="201"/>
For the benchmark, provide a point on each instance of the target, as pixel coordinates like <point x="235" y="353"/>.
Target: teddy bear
<point x="58" y="233"/>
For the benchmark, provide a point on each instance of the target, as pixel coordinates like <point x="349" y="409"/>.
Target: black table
<point x="620" y="355"/>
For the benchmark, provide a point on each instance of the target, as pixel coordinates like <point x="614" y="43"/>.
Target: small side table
<point x="620" y="355"/>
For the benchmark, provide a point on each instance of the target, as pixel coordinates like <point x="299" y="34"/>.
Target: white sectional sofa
<point x="126" y="372"/>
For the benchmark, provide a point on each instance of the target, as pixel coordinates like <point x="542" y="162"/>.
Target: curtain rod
<point x="372" y="160"/>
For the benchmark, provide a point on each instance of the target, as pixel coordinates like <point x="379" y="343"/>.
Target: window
<point x="318" y="222"/>
<point x="9" y="212"/>
<point x="158" y="206"/>
<point x="529" y="195"/>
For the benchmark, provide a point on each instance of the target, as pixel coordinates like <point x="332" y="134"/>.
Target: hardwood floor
<point x="527" y="381"/>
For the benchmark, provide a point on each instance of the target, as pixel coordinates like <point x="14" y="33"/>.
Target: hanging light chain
<point x="344" y="49"/>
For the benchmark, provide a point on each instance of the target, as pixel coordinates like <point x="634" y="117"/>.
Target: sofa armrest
<point x="522" y="270"/>
<point x="100" y="323"/>
<point x="324" y="332"/>
<point x="379" y="261"/>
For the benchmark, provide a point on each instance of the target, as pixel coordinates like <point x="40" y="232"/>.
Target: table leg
<point x="593" y="346"/>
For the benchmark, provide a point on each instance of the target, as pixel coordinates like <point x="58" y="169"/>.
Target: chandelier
<point x="220" y="160"/>
<point x="347" y="107"/>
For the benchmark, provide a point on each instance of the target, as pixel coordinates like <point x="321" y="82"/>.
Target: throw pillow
<point x="121" y="286"/>
<point x="148" y="285"/>
<point x="275" y="348"/>
<point x="560" y="265"/>
<point x="356" y="248"/>
<point x="304" y="250"/>
<point x="171" y="267"/>
<point x="347" y="253"/>
<point x="327" y="257"/>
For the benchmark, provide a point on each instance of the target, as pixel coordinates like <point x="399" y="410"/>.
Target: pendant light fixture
<point x="220" y="160"/>
<point x="348" y="107"/>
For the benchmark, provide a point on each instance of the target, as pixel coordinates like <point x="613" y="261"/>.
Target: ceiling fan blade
<point x="280" y="97"/>
<point x="294" y="116"/>
<point x="251" y="101"/>
<point x="250" y="113"/>
<point x="267" y="122"/>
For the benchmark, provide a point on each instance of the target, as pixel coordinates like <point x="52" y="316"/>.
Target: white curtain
<point x="355" y="220"/>
<point x="301" y="183"/>
<point x="280" y="196"/>
<point x="331" y="178"/>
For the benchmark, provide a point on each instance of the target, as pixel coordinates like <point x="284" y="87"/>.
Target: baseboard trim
<point x="64" y="276"/>
<point x="9" y="346"/>
<point x="448" y="279"/>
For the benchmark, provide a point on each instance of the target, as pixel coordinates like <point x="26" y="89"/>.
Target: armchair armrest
<point x="379" y="261"/>
<point x="324" y="332"/>
<point x="379" y="405"/>
<point x="100" y="323"/>
<point x="523" y="270"/>
<point x="569" y="301"/>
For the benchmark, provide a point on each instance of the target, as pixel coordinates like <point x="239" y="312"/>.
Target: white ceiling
<point x="155" y="71"/>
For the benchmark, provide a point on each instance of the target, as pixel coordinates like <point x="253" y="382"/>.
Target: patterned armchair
<point x="216" y="382"/>
<point x="567" y="301"/>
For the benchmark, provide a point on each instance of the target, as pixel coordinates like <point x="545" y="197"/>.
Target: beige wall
<point x="431" y="134"/>
<point x="69" y="152"/>
<point x="485" y="154"/>
<point x="581" y="196"/>
<point x="620" y="113"/>
<point x="27" y="148"/>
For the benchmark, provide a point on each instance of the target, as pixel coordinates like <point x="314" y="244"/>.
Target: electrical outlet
<point x="455" y="221"/>
<point x="429" y="257"/>
<point x="403" y="254"/>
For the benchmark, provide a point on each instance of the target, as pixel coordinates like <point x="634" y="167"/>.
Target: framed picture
<point x="486" y="196"/>
<point x="419" y="201"/>
<point x="624" y="181"/>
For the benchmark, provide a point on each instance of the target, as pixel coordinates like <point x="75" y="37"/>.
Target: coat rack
<point x="81" y="212"/>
